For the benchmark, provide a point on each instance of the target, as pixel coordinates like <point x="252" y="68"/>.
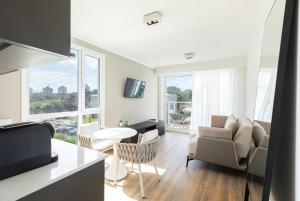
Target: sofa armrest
<point x="212" y="132"/>
<point x="217" y="151"/>
<point x="257" y="162"/>
<point x="264" y="143"/>
<point x="218" y="121"/>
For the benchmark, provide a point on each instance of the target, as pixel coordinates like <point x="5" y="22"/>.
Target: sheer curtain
<point x="214" y="92"/>
<point x="265" y="94"/>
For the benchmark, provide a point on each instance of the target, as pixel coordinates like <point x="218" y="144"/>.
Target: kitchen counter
<point x="71" y="160"/>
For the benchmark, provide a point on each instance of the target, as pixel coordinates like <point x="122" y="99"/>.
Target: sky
<point x="183" y="82"/>
<point x="64" y="73"/>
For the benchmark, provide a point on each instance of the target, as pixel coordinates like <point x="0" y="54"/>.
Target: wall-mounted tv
<point x="134" y="88"/>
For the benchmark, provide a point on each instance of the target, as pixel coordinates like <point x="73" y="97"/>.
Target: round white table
<point x="116" y="135"/>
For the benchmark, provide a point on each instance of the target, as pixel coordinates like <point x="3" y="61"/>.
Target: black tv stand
<point x="148" y="125"/>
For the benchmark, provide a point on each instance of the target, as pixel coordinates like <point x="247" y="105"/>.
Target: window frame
<point x="100" y="110"/>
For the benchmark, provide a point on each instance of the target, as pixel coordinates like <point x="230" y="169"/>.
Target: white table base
<point x="116" y="135"/>
<point x="111" y="171"/>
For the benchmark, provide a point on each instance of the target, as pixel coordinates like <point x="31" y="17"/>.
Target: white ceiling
<point x="212" y="29"/>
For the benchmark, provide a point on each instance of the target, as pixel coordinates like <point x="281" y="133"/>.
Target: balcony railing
<point x="178" y="114"/>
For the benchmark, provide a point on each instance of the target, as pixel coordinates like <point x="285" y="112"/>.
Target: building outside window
<point x="67" y="93"/>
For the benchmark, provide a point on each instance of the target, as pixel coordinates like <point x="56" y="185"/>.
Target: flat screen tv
<point x="134" y="88"/>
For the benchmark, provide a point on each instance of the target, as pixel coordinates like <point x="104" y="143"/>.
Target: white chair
<point x="87" y="139"/>
<point x="142" y="152"/>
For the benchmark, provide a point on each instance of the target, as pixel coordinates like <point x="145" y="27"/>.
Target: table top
<point x="71" y="159"/>
<point x="115" y="133"/>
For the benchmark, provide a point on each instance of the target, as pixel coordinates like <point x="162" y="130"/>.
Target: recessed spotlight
<point x="189" y="55"/>
<point x="152" y="18"/>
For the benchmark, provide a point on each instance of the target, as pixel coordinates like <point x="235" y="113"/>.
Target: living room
<point x="148" y="101"/>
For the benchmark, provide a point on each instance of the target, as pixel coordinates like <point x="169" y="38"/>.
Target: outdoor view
<point x="179" y="101"/>
<point x="91" y="72"/>
<point x="54" y="89"/>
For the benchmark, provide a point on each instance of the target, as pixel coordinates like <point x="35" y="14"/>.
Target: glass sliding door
<point x="178" y="102"/>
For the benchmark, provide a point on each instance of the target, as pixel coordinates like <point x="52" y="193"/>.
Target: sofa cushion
<point x="150" y="135"/>
<point x="231" y="124"/>
<point x="252" y="147"/>
<point x="258" y="133"/>
<point x="265" y="125"/>
<point x="102" y="144"/>
<point x="218" y="121"/>
<point x="243" y="137"/>
<point x="218" y="133"/>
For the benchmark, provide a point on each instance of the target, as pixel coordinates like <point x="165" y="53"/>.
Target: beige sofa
<point x="259" y="148"/>
<point x="226" y="142"/>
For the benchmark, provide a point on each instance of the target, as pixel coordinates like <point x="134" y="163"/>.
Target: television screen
<point x="134" y="88"/>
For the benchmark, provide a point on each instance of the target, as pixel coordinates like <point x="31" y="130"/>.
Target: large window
<point x="178" y="101"/>
<point x="67" y="93"/>
<point x="91" y="82"/>
<point x="54" y="87"/>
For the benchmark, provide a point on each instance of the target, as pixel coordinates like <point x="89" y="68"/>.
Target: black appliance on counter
<point x="25" y="146"/>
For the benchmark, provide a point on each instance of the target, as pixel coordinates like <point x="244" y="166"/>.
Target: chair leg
<point x="157" y="175"/>
<point x="141" y="182"/>
<point x="131" y="167"/>
<point x="116" y="171"/>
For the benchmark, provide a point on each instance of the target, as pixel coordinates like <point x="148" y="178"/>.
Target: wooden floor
<point x="199" y="182"/>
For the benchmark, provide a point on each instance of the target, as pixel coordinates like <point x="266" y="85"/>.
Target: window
<point x="66" y="128"/>
<point x="265" y="94"/>
<point x="179" y="101"/>
<point x="67" y="93"/>
<point x="91" y="81"/>
<point x="53" y="88"/>
<point x="90" y="118"/>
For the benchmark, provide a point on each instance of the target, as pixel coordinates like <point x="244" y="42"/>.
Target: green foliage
<point x="182" y="96"/>
<point x="89" y="118"/>
<point x="67" y="138"/>
<point x="41" y="103"/>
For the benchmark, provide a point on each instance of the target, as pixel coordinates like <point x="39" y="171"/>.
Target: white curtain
<point x="215" y="92"/>
<point x="265" y="94"/>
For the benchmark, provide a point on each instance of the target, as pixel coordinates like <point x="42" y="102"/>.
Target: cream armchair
<point x="226" y="142"/>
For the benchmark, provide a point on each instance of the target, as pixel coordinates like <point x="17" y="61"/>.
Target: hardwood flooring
<point x="201" y="181"/>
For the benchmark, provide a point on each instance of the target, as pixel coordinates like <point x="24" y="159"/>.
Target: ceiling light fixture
<point x="189" y="55"/>
<point x="152" y="18"/>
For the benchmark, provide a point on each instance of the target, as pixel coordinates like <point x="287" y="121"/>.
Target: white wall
<point x="117" y="107"/>
<point x="10" y="99"/>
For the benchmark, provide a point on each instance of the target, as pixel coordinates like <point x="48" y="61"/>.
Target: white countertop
<point x="71" y="159"/>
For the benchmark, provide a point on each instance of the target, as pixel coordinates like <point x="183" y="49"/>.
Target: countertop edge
<point x="58" y="179"/>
